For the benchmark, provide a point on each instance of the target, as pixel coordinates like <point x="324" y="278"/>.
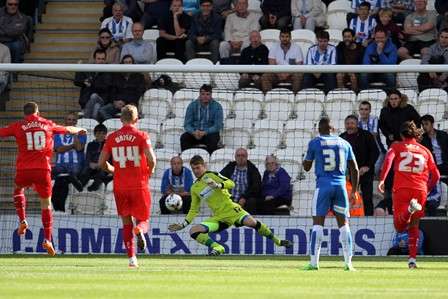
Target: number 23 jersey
<point x="126" y="146"/>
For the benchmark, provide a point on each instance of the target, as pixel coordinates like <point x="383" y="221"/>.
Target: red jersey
<point x="34" y="137"/>
<point x="413" y="164"/>
<point x="126" y="146"/>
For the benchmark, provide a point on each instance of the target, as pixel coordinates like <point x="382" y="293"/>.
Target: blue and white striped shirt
<point x="363" y="29"/>
<point x="370" y="125"/>
<point x="239" y="176"/>
<point x="375" y="5"/>
<point x="72" y="156"/>
<point x="317" y="57"/>
<point x="120" y="30"/>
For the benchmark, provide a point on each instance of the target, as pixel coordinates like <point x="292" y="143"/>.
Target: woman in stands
<point x="106" y="43"/>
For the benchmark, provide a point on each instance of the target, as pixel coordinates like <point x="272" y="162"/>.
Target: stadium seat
<point x="267" y="138"/>
<point x="258" y="156"/>
<point x="337" y="14"/>
<point x="226" y="80"/>
<point x="88" y="203"/>
<point x="173" y="123"/>
<point x="225" y="98"/>
<point x="408" y="80"/>
<point x="248" y="105"/>
<point x="186" y="155"/>
<point x="239" y="123"/>
<point x="255" y="7"/>
<point x="309" y="105"/>
<point x="338" y="105"/>
<point x="270" y="35"/>
<point x="159" y="109"/>
<point x="335" y="36"/>
<point x="112" y="124"/>
<point x="87" y="123"/>
<point x="217" y="165"/>
<point x="278" y="105"/>
<point x="176" y="77"/>
<point x="196" y="80"/>
<point x="442" y="125"/>
<point x="292" y="168"/>
<point x="235" y="138"/>
<point x="297" y="139"/>
<point x="181" y="99"/>
<point x="289" y="154"/>
<point x="376" y="98"/>
<point x="149" y="124"/>
<point x="156" y="94"/>
<point x="411" y="94"/>
<point x="223" y="154"/>
<point x="304" y="38"/>
<point x="151" y="35"/>
<point x="269" y="124"/>
<point x="170" y="138"/>
<point x="433" y="101"/>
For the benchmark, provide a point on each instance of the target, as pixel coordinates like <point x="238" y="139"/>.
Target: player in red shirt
<point x="415" y="175"/>
<point x="34" y="137"/>
<point x="133" y="162"/>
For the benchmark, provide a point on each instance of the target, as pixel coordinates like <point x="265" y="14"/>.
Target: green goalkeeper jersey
<point x="218" y="200"/>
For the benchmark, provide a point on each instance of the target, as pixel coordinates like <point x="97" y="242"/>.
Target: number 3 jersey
<point x="34" y="137"/>
<point x="126" y="146"/>
<point x="331" y="154"/>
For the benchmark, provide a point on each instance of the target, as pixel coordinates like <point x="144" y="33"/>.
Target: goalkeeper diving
<point x="214" y="189"/>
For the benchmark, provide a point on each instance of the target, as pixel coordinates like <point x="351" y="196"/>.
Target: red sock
<point x="128" y="239"/>
<point x="143" y="225"/>
<point x="20" y="203"/>
<point x="47" y="222"/>
<point x="413" y="233"/>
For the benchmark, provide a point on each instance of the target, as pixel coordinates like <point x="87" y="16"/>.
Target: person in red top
<point x="34" y="137"/>
<point x="133" y="162"/>
<point x="415" y="175"/>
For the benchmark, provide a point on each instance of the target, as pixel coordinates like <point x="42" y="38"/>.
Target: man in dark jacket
<point x="276" y="14"/>
<point x="366" y="153"/>
<point x="247" y="180"/>
<point x="255" y="53"/>
<point x="437" y="142"/>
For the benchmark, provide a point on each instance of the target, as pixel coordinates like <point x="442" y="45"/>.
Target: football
<point x="173" y="202"/>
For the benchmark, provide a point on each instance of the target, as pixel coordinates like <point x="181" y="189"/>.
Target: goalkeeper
<point x="214" y="189"/>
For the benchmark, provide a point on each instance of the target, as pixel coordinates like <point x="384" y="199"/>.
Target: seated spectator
<point x="283" y="53"/>
<point x="223" y="7"/>
<point x="203" y="122"/>
<point x="119" y="25"/>
<point x="128" y="89"/>
<point x="205" y="33"/>
<point x="276" y="187"/>
<point x="442" y="9"/>
<point x="247" y="181"/>
<point x="91" y="168"/>
<point x="131" y="9"/>
<point x="15" y="30"/>
<point x="381" y="51"/>
<point x="237" y="29"/>
<point x="190" y="7"/>
<point x="420" y="27"/>
<point x="69" y="163"/>
<point x="173" y="29"/>
<point x="433" y="202"/>
<point x="321" y="54"/>
<point x="400" y="9"/>
<point x="393" y="31"/>
<point x="141" y="50"/>
<point x="255" y="53"/>
<point x="178" y="180"/>
<point x="106" y="44"/>
<point x="276" y="14"/>
<point x="363" y="25"/>
<point x="307" y="14"/>
<point x="400" y="244"/>
<point x="374" y="5"/>
<point x="437" y="54"/>
<point x="5" y="57"/>
<point x="348" y="52"/>
<point x="153" y="11"/>
<point x="437" y="142"/>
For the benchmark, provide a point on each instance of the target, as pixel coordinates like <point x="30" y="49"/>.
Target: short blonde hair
<point x="385" y="12"/>
<point x="129" y="113"/>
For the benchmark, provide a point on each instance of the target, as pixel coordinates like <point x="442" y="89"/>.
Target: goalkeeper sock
<point x="315" y="243"/>
<point x="128" y="239"/>
<point x="265" y="231"/>
<point x="20" y="203"/>
<point x="345" y="237"/>
<point x="413" y="234"/>
<point x="204" y="239"/>
<point x="47" y="222"/>
<point x="143" y="225"/>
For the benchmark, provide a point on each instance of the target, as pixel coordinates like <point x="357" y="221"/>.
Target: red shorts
<point x="135" y="203"/>
<point x="402" y="197"/>
<point x="39" y="179"/>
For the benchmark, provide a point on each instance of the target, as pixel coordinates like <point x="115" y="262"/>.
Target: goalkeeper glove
<point x="212" y="184"/>
<point x="177" y="226"/>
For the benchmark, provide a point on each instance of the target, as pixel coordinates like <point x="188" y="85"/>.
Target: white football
<point x="173" y="202"/>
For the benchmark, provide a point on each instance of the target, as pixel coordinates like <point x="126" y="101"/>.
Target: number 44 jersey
<point x="127" y="146"/>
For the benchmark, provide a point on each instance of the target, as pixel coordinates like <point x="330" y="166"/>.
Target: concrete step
<point x="51" y="55"/>
<point x="69" y="27"/>
<point x="85" y="18"/>
<point x="63" y="46"/>
<point x="52" y="37"/>
<point x="24" y="85"/>
<point x="23" y="93"/>
<point x="19" y="114"/>
<point x="90" y="7"/>
<point x="45" y="104"/>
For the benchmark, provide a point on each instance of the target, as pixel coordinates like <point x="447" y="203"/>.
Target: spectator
<point x="5" y="57"/>
<point x="363" y="25"/>
<point x="141" y="50"/>
<point x="437" y="142"/>
<point x="203" y="122"/>
<point x="69" y="163"/>
<point x="173" y="32"/>
<point x="433" y="202"/>
<point x="307" y="14"/>
<point x="190" y="7"/>
<point x="15" y="30"/>
<point x="154" y="11"/>
<point x="223" y="7"/>
<point x="400" y="9"/>
<point x="276" y="14"/>
<point x="178" y="180"/>
<point x="109" y="46"/>
<point x="119" y="25"/>
<point x="374" y="5"/>
<point x="247" y="181"/>
<point x="321" y="54"/>
<point x="381" y="51"/>
<point x="437" y="54"/>
<point x="366" y="154"/>
<point x="237" y="29"/>
<point x="205" y="33"/>
<point x="131" y="9"/>
<point x="400" y="243"/>
<point x="255" y="53"/>
<point x="420" y="27"/>
<point x="283" y="53"/>
<point x="91" y="168"/>
<point x="276" y="188"/>
<point x="348" y="52"/>
<point x="393" y="31"/>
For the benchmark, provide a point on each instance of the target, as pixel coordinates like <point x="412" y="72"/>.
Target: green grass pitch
<point x="192" y="277"/>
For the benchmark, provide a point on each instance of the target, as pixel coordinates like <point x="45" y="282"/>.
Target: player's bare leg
<point x="345" y="237"/>
<point x="20" y="205"/>
<point x="263" y="230"/>
<point x="47" y="222"/>
<point x="139" y="230"/>
<point x="128" y="239"/>
<point x="200" y="234"/>
<point x="315" y="242"/>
